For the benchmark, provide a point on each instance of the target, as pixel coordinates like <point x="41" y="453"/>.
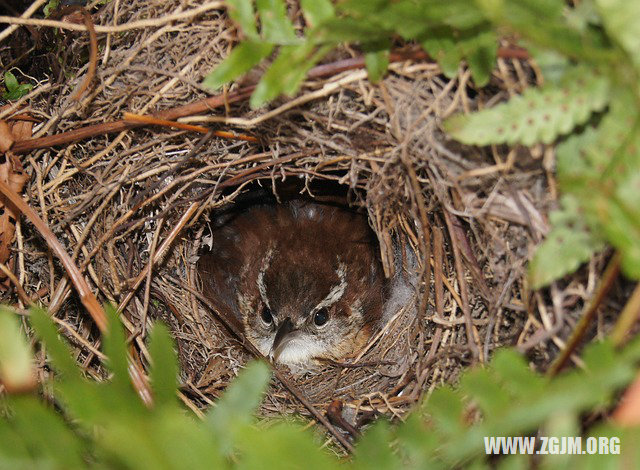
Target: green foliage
<point x="538" y="115"/>
<point x="601" y="167"/>
<point x="50" y="7"/>
<point x="234" y="411"/>
<point x="377" y="63"/>
<point x="621" y="20"/>
<point x="105" y="425"/>
<point x="598" y="165"/>
<point x="513" y="400"/>
<point x="15" y="90"/>
<point x="567" y="246"/>
<point x="450" y="31"/>
<point x="374" y="446"/>
<point x="164" y="370"/>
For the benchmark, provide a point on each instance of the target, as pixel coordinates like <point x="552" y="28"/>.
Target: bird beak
<point x="284" y="329"/>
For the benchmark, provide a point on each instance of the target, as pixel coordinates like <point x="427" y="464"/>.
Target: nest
<point x="133" y="208"/>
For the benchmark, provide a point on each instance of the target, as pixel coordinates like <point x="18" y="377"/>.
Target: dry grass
<point x="114" y="202"/>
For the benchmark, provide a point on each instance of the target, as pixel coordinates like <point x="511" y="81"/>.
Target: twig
<point x="213" y="102"/>
<point x="27" y="13"/>
<point x="87" y="298"/>
<point x="451" y="220"/>
<point x="153" y="22"/>
<point x="122" y="125"/>
<point x="608" y="277"/>
<point x="26" y="300"/>
<point x="424" y="224"/>
<point x="198" y="107"/>
<point x="93" y="47"/>
<point x="334" y="414"/>
<point x="160" y="253"/>
<point x="326" y="90"/>
<point x="293" y="390"/>
<point x="86" y="295"/>
<point x="143" y="119"/>
<point x="627" y="318"/>
<point x="355" y="365"/>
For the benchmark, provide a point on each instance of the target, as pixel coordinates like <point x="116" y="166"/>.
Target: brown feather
<point x="304" y="250"/>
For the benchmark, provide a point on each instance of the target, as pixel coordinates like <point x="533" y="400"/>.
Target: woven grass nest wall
<point x="133" y="206"/>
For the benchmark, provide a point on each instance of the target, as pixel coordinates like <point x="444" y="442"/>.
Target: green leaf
<point x="286" y="73"/>
<point x="361" y="7"/>
<point x="582" y="16"/>
<point x="10" y="81"/>
<point x="234" y="411"/>
<point x="569" y="244"/>
<point x="600" y="166"/>
<point x="114" y="345"/>
<point x="59" y="351"/>
<point x="621" y="446"/>
<point x="79" y="395"/>
<point x="374" y="446"/>
<point x="568" y="394"/>
<point x="282" y="445"/>
<point x="335" y="30"/>
<point x="538" y="115"/>
<point x="514" y="462"/>
<point x="14" y="451"/>
<point x="407" y="19"/>
<point x="445" y="51"/>
<point x="276" y="26"/>
<point x="460" y="15"/>
<point x="242" y="58"/>
<point x="619" y="209"/>
<point x="165" y="438"/>
<point x="50" y="7"/>
<point x="14" y="89"/>
<point x="621" y="19"/>
<point x="243" y="14"/>
<point x="195" y="449"/>
<point x="596" y="155"/>
<point x="377" y="63"/>
<point x="482" y="57"/>
<point x="46" y="433"/>
<point x="552" y="64"/>
<point x="479" y="49"/>
<point x="16" y="361"/>
<point x="605" y="372"/>
<point x="488" y="393"/>
<point x="620" y="224"/>
<point x="445" y="408"/>
<point x="514" y="374"/>
<point x="317" y="11"/>
<point x="417" y="443"/>
<point x="164" y="366"/>
<point x="544" y="24"/>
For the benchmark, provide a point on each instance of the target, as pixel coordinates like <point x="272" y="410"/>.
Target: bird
<point x="304" y="279"/>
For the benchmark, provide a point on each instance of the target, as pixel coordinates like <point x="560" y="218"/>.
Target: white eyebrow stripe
<point x="336" y="291"/>
<point x="262" y="288"/>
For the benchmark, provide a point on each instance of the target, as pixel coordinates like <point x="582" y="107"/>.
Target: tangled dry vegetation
<point x="132" y="206"/>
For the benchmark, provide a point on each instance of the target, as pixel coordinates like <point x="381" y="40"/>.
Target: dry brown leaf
<point x="11" y="173"/>
<point x="6" y="138"/>
<point x="21" y="130"/>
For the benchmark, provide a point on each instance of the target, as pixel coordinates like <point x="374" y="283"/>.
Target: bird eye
<point x="321" y="317"/>
<point x="266" y="315"/>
